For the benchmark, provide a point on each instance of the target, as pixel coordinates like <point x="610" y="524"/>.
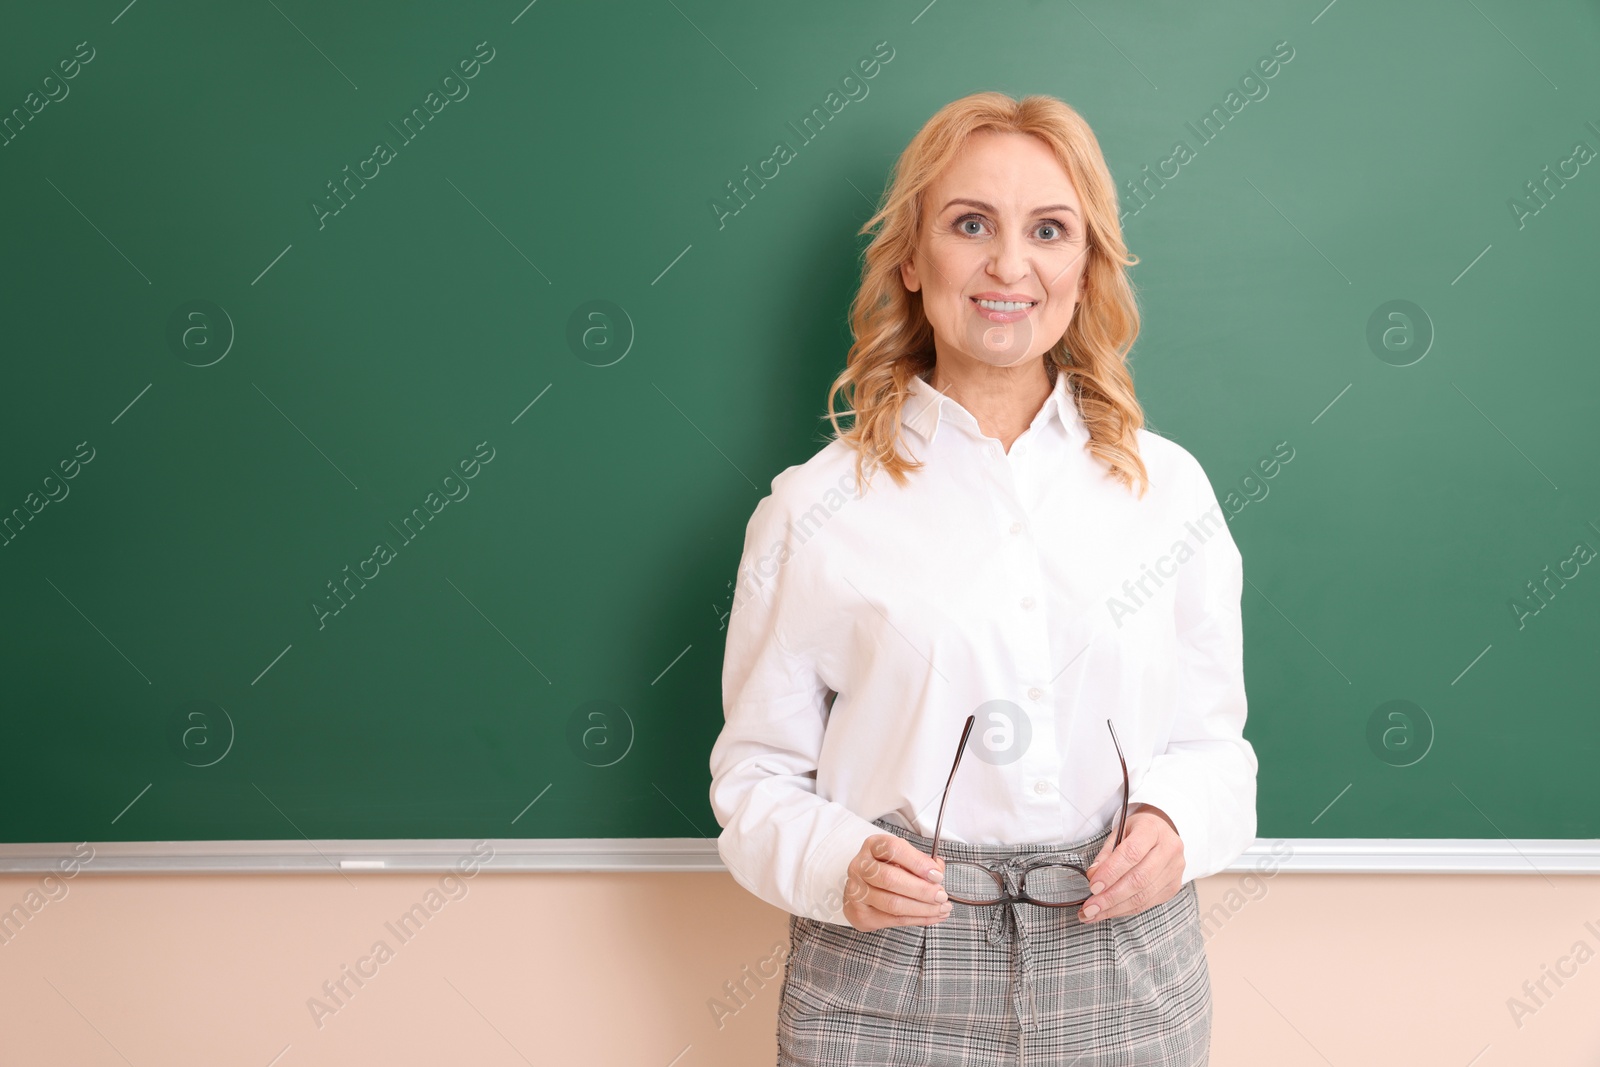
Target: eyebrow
<point x="980" y="205"/>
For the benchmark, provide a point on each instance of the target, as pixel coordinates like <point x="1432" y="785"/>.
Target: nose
<point x="1007" y="260"/>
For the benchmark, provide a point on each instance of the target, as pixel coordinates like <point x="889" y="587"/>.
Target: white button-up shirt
<point x="1029" y="588"/>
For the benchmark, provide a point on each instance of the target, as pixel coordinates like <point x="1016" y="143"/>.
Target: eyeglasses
<point x="1049" y="884"/>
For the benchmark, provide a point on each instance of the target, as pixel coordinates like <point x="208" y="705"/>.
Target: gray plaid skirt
<point x="1001" y="984"/>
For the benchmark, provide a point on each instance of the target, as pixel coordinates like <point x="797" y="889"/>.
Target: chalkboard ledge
<point x="1305" y="855"/>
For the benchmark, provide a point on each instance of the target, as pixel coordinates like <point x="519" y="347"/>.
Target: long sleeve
<point x="1205" y="780"/>
<point x="780" y="840"/>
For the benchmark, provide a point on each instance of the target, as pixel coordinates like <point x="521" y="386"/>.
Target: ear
<point x="908" y="276"/>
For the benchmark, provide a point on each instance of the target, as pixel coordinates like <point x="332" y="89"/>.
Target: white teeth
<point x="1006" y="305"/>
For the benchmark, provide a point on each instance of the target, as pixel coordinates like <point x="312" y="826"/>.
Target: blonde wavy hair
<point x="894" y="340"/>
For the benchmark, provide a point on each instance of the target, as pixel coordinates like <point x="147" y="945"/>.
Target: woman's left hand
<point x="1143" y="871"/>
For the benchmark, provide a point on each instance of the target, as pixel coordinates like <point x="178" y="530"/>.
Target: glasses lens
<point x="968" y="881"/>
<point x="1056" y="884"/>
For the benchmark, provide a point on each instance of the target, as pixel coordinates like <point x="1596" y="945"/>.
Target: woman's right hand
<point x="888" y="884"/>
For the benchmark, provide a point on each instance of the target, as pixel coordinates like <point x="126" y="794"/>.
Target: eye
<point x="1053" y="230"/>
<point x="1061" y="232"/>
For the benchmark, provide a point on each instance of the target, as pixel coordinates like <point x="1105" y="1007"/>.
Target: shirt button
<point x="1027" y="603"/>
<point x="1041" y="787"/>
<point x="1035" y="693"/>
<point x="1016" y="527"/>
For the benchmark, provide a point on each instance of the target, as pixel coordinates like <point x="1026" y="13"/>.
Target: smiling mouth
<point x="1003" y="310"/>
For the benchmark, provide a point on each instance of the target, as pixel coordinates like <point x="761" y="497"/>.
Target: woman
<point x="1035" y="559"/>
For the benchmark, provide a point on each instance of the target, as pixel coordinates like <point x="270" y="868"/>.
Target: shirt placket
<point x="1024" y="604"/>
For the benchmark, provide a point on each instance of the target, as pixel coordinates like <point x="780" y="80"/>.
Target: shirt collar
<point x="924" y="409"/>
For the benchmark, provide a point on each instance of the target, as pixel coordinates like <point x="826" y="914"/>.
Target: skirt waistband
<point x="1081" y="852"/>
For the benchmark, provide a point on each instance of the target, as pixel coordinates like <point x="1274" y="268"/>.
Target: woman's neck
<point x="1004" y="400"/>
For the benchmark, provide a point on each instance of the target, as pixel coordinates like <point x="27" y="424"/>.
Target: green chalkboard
<point x="287" y="282"/>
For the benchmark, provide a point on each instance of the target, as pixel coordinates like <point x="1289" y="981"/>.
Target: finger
<point x="1151" y="880"/>
<point x="1143" y="890"/>
<point x="1110" y="866"/>
<point x="883" y="893"/>
<point x="873" y="867"/>
<point x="869" y="920"/>
<point x="894" y="864"/>
<point x="1108" y="869"/>
<point x="913" y="859"/>
<point x="896" y="906"/>
<point x="903" y="883"/>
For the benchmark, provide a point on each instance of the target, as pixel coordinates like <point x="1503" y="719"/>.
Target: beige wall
<point x="618" y="969"/>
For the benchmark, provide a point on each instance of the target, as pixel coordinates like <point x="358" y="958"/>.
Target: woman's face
<point x="1001" y="256"/>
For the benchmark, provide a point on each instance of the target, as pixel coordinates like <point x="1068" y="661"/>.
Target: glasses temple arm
<point x="960" y="748"/>
<point x="1122" y="823"/>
